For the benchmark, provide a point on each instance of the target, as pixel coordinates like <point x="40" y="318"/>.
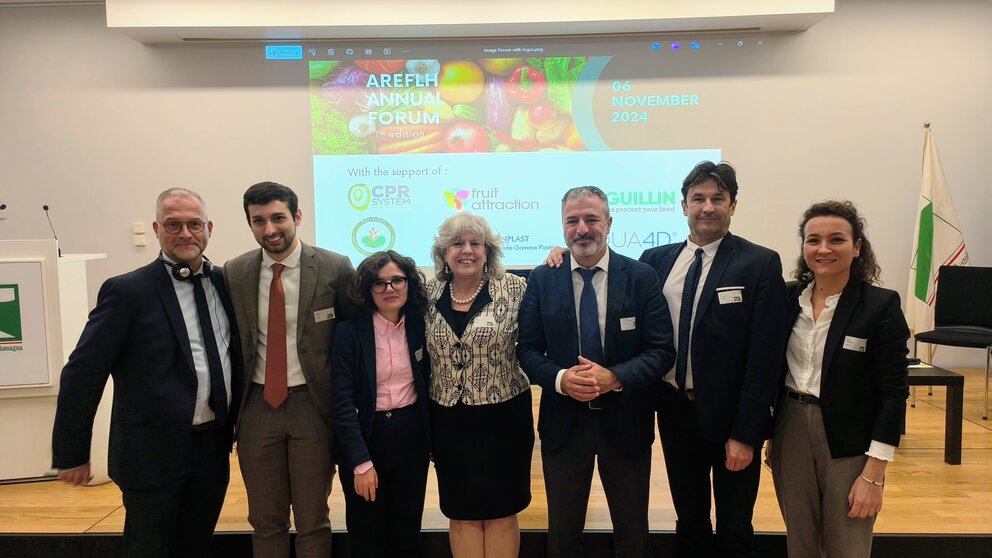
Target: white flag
<point x="937" y="241"/>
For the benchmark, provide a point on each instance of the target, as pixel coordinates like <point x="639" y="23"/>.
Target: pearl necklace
<point x="469" y="299"/>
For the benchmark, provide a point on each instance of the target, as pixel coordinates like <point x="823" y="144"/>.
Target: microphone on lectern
<point x="45" y="207"/>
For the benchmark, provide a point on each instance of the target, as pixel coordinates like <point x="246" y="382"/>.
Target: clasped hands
<point x="587" y="380"/>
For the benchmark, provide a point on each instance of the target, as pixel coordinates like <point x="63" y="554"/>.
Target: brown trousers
<point x="285" y="458"/>
<point x="812" y="487"/>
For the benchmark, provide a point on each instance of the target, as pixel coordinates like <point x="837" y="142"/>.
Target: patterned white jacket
<point x="480" y="367"/>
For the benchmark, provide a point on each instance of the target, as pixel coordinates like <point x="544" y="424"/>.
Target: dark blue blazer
<point x="353" y="385"/>
<point x="862" y="394"/>
<point x="549" y="341"/>
<point x="137" y="334"/>
<point x="736" y="348"/>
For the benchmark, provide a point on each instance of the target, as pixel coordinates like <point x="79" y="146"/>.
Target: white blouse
<point x="805" y="356"/>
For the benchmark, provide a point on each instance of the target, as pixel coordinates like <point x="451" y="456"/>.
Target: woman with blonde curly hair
<point x="481" y="416"/>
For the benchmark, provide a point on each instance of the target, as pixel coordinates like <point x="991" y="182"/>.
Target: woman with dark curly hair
<point x="380" y="371"/>
<point x="840" y="414"/>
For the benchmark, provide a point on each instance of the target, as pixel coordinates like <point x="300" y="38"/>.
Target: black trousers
<point x="178" y="518"/>
<point x="390" y="526"/>
<point x="690" y="460"/>
<point x="626" y="480"/>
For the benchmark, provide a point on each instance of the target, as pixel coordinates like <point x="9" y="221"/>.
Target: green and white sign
<point x="24" y="359"/>
<point x="10" y="315"/>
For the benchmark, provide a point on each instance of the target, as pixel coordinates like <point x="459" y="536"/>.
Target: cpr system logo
<point x="373" y="234"/>
<point x="360" y="196"/>
<point x="379" y="196"/>
<point x="11" y="334"/>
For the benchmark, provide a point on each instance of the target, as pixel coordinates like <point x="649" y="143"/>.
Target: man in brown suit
<point x="287" y="298"/>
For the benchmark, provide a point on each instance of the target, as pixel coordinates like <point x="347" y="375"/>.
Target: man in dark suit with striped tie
<point x="729" y="312"/>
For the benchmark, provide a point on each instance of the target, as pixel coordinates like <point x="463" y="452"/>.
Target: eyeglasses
<point x="397" y="283"/>
<point x="173" y="227"/>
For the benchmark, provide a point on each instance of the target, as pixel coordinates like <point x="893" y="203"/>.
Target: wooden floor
<point x="923" y="494"/>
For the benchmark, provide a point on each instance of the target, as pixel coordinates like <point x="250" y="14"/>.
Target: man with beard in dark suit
<point x="596" y="336"/>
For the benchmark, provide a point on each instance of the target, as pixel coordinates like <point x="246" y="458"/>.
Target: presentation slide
<point x="407" y="134"/>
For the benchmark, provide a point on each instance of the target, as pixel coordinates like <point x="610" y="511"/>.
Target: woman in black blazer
<point x="379" y="372"/>
<point x="843" y="402"/>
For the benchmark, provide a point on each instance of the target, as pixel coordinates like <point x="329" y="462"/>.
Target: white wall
<point x="95" y="125"/>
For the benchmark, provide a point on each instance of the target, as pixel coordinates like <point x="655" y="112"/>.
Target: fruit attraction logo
<point x="11" y="331"/>
<point x="488" y="199"/>
<point x="456" y="198"/>
<point x="373" y="234"/>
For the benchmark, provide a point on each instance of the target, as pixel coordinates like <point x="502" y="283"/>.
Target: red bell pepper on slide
<point x="380" y="66"/>
<point x="526" y="84"/>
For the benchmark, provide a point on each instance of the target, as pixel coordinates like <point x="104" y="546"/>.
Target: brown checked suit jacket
<point x="324" y="277"/>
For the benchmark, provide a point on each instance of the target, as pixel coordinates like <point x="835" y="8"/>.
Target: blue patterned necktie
<point x="685" y="318"/>
<point x="590" y="343"/>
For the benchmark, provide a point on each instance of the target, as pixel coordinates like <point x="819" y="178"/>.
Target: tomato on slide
<point x="465" y="137"/>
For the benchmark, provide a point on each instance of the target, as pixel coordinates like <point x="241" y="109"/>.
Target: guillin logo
<point x="455" y="198"/>
<point x="372" y="235"/>
<point x="10" y="315"/>
<point x="359" y="196"/>
<point x="644" y="198"/>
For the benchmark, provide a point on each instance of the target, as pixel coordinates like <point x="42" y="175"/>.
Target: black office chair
<point x="963" y="314"/>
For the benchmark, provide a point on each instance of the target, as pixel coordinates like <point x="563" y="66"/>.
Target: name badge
<point x="485" y="321"/>
<point x="627" y="324"/>
<point x="323" y="315"/>
<point x="730" y="295"/>
<point x="855" y="344"/>
<point x="419" y="354"/>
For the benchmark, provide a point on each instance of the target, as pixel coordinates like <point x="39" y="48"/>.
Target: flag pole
<point x="937" y="241"/>
<point x="931" y="348"/>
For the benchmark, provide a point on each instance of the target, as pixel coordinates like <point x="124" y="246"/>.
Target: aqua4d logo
<point x="10" y="315"/>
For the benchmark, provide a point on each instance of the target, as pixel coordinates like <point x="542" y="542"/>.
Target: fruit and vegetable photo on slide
<point x="489" y="105"/>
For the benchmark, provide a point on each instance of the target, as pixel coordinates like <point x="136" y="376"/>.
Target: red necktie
<point x="275" y="353"/>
